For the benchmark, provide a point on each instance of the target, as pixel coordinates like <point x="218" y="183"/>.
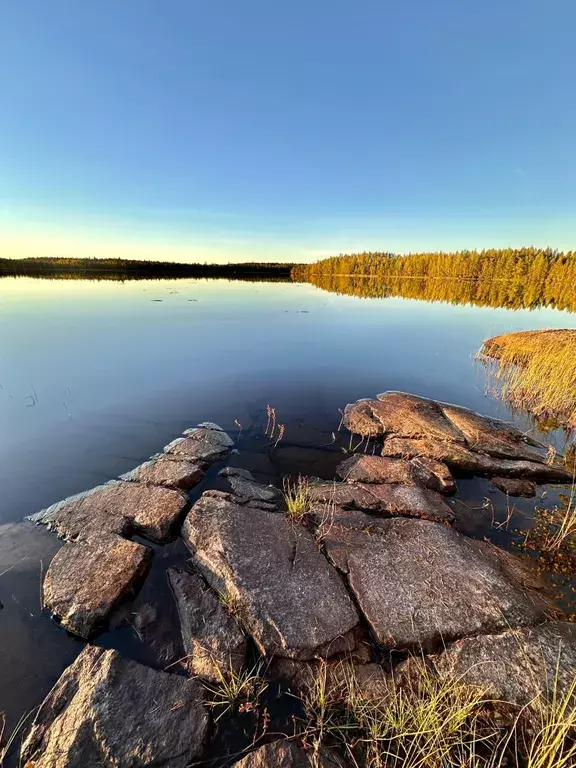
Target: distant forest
<point x="512" y="278"/>
<point x="132" y="269"/>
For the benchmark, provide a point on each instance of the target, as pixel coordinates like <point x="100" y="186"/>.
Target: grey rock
<point x="388" y="499"/>
<point x="419" y="584"/>
<point x="116" y="507"/>
<point x="87" y="579"/>
<point x="459" y="457"/>
<point x="210" y="425"/>
<point x="202" y="445"/>
<point x="165" y="470"/>
<point x="334" y="676"/>
<point x="287" y="754"/>
<point x="245" y="486"/>
<point x="212" y="639"/>
<point x="287" y="595"/>
<point x="521" y="666"/>
<point x="515" y="486"/>
<point x="108" y="710"/>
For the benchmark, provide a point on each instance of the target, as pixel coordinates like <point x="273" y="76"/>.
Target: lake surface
<point x="97" y="376"/>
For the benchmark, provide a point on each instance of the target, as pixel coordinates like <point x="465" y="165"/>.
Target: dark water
<point x="95" y="377"/>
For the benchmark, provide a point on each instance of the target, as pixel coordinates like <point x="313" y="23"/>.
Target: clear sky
<point x="254" y="129"/>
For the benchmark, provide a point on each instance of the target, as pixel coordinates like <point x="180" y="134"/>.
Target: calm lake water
<point x="96" y="376"/>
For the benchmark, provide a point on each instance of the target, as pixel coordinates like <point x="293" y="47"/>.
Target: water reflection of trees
<point x="515" y="279"/>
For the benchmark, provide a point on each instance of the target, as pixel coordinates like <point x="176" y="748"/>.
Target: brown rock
<point x="108" y="711"/>
<point x="334" y="677"/>
<point x="441" y="478"/>
<point x="515" y="486"/>
<point x="420" y="584"/>
<point x="87" y="579"/>
<point x="521" y="666"/>
<point x="360" y="420"/>
<point x="389" y="499"/>
<point x="490" y="436"/>
<point x="458" y="457"/>
<point x="211" y="636"/>
<point x="116" y="507"/>
<point x="289" y="598"/>
<point x="409" y="416"/>
<point x="165" y="470"/>
<point x="287" y="754"/>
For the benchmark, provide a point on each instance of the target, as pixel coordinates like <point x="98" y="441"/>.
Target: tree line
<point x="512" y="278"/>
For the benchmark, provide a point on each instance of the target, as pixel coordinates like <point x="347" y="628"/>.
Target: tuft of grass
<point x="297" y="497"/>
<point x="422" y="720"/>
<point x="536" y="370"/>
<point x="553" y="536"/>
<point x="235" y="692"/>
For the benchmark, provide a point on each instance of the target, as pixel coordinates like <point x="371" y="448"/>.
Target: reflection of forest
<point x="526" y="278"/>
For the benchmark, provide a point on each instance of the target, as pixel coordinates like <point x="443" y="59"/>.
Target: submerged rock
<point x="87" y="579"/>
<point x="212" y="638"/>
<point x="287" y="754"/>
<point x="288" y="597"/>
<point x="419" y="584"/>
<point x="106" y="710"/>
<point x="116" y="507"/>
<point x="458" y="457"/>
<point x="389" y="499"/>
<point x="515" y="486"/>
<point x="166" y="470"/>
<point x="520" y="666"/>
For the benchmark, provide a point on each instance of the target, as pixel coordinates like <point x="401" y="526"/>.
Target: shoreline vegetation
<point x="522" y="278"/>
<point x="132" y="269"/>
<point x="536" y="371"/>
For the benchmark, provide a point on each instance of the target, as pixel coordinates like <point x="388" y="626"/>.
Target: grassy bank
<point x="536" y="371"/>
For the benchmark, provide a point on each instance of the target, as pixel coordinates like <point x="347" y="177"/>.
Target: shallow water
<point x="96" y="376"/>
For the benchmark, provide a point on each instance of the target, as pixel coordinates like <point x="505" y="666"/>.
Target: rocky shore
<point x="371" y="574"/>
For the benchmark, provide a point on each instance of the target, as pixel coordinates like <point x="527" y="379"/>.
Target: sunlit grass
<point x="536" y="370"/>
<point x="297" y="497"/>
<point x="235" y="691"/>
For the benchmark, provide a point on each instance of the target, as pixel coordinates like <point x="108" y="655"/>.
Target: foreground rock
<point x="459" y="457"/>
<point x="286" y="594"/>
<point x="108" y="711"/>
<point x="521" y="666"/>
<point x="380" y="469"/>
<point x="116" y="507"/>
<point x="390" y="499"/>
<point x="515" y="486"/>
<point x="87" y="579"/>
<point x="287" y="754"/>
<point x="213" y="641"/>
<point x="419" y="584"/>
<point x="166" y="470"/>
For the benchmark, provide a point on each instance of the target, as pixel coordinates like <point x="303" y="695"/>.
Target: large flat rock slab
<point x="486" y="435"/>
<point x="460" y="458"/>
<point x="87" y="579"/>
<point x="166" y="470"/>
<point x="116" y="507"/>
<point x="108" y="711"/>
<point x="214" y="643"/>
<point x="420" y="584"/>
<point x="531" y="665"/>
<point x="385" y="499"/>
<point x="284" y="590"/>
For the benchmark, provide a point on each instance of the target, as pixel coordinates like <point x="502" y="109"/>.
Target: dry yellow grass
<point x="537" y="371"/>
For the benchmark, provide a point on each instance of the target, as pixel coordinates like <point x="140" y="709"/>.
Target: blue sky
<point x="239" y="130"/>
